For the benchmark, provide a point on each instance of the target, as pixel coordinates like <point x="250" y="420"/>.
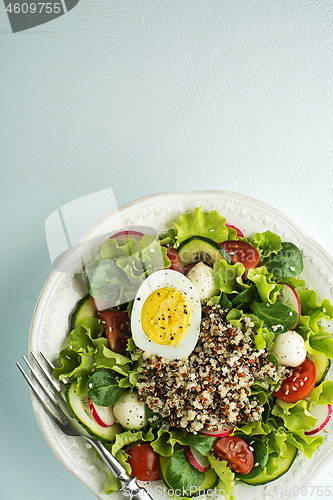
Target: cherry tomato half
<point x="241" y="251"/>
<point x="116" y="327"/>
<point x="299" y="385"/>
<point x="176" y="264"/>
<point x="236" y="452"/>
<point x="143" y="461"/>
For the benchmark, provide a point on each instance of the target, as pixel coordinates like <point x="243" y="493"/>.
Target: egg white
<point x="172" y="279"/>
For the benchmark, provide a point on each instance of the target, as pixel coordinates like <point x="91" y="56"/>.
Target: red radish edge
<point x="298" y="303"/>
<point x="94" y="411"/>
<point x="323" y="424"/>
<point x="130" y="234"/>
<point x="239" y="232"/>
<point x="221" y="433"/>
<point x="200" y="462"/>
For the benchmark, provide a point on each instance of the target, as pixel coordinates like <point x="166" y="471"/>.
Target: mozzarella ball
<point x="289" y="349"/>
<point x="130" y="412"/>
<point x="202" y="278"/>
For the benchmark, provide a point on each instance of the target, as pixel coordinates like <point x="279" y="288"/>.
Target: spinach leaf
<point x="104" y="279"/>
<point x="225" y="303"/>
<point x="103" y="388"/>
<point x="200" y="442"/>
<point x="277" y="317"/>
<point x="244" y="298"/>
<point x="287" y="262"/>
<point x="180" y="474"/>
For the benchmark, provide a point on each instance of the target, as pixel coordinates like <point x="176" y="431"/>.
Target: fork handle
<point x="115" y="467"/>
<point x="128" y="484"/>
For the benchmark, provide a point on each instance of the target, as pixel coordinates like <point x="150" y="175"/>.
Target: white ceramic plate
<point x="62" y="290"/>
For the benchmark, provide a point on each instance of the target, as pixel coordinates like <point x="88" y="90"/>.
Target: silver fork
<point x="62" y="417"/>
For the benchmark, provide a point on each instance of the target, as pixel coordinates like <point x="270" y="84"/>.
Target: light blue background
<point x="146" y="97"/>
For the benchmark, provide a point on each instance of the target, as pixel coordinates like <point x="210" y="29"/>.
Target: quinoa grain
<point x="212" y="387"/>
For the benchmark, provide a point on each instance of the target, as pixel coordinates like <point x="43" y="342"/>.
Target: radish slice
<point x="239" y="232"/>
<point x="200" y="462"/>
<point x="224" y="431"/>
<point x="102" y="414"/>
<point x="288" y="296"/>
<point x="323" y="414"/>
<point x="127" y="234"/>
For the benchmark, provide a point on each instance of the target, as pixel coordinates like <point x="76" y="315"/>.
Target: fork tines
<point x="58" y="404"/>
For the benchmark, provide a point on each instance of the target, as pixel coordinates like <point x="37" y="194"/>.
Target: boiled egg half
<point x="166" y="315"/>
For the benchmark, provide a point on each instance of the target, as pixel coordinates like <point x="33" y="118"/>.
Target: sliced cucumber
<point x="79" y="406"/>
<point x="322" y="365"/>
<point x="284" y="466"/>
<point x="84" y="309"/>
<point x="209" y="482"/>
<point x="199" y="248"/>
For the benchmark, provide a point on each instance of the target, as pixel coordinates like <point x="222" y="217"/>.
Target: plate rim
<point x="53" y="278"/>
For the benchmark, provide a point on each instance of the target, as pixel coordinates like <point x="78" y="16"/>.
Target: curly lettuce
<point x="208" y="224"/>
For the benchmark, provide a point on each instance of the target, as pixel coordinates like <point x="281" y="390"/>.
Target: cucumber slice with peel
<point x="201" y="249"/>
<point x="283" y="467"/>
<point x="322" y="365"/>
<point x="84" y="309"/>
<point x="79" y="406"/>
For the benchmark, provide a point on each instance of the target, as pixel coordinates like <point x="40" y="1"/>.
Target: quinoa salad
<point x="212" y="387"/>
<point x="200" y="357"/>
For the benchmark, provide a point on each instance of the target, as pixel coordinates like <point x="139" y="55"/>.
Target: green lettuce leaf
<point x="227" y="477"/>
<point x="166" y="440"/>
<point x="268" y="337"/>
<point x="267" y="287"/>
<point x="252" y="428"/>
<point x="306" y="444"/>
<point x="295" y="283"/>
<point x="168" y="238"/>
<point x="88" y="334"/>
<point x="130" y="437"/>
<point x="318" y="343"/>
<point x="198" y="223"/>
<point x="295" y="416"/>
<point x="322" y="394"/>
<point x="266" y="243"/>
<point x="228" y="278"/>
<point x="105" y="358"/>
<point x="114" y="248"/>
<point x="75" y="365"/>
<point x="312" y="311"/>
<point x="124" y="266"/>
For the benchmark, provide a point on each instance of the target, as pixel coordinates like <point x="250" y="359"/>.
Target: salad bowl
<point x="66" y="285"/>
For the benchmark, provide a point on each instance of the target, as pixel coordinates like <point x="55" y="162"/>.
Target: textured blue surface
<point x="149" y="97"/>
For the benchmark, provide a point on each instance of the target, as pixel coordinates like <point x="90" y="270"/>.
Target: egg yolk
<point x="165" y="316"/>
